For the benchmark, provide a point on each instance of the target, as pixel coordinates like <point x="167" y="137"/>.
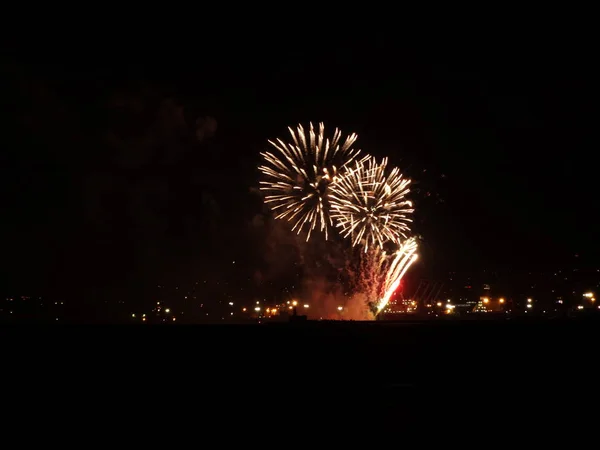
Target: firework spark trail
<point x="379" y="274"/>
<point x="370" y="206"/>
<point x="297" y="174"/>
<point x="405" y="257"/>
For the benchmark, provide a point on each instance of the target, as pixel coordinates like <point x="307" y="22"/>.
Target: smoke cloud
<point x="324" y="274"/>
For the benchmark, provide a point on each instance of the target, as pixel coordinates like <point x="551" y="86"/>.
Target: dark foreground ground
<point x="288" y="364"/>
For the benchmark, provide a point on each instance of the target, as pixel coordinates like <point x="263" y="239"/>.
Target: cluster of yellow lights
<point x="290" y="305"/>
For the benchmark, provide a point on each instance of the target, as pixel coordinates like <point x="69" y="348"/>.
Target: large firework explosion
<point x="296" y="176"/>
<point x="312" y="182"/>
<point x="369" y="204"/>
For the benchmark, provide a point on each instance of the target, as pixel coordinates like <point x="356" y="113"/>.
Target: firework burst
<point x="403" y="258"/>
<point x="370" y="206"/>
<point x="297" y="174"/>
<point x="380" y="273"/>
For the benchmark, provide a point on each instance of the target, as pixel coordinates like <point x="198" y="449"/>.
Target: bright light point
<point x="258" y="303"/>
<point x="579" y="306"/>
<point x="174" y="319"/>
<point x="529" y="300"/>
<point x="439" y="304"/>
<point x="501" y="300"/>
<point x="244" y="309"/>
<point x="588" y="294"/>
<point x="340" y="308"/>
<point x="230" y="303"/>
<point x="133" y="315"/>
<point x="257" y="308"/>
<point x="167" y="310"/>
<point x="267" y="310"/>
<point x="294" y="303"/>
<point x="306" y="306"/>
<point x="486" y="300"/>
<point x="529" y="305"/>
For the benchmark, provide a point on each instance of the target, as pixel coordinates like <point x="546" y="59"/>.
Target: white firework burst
<point x="297" y="176"/>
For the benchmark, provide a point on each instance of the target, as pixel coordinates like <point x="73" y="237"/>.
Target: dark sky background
<point x="124" y="167"/>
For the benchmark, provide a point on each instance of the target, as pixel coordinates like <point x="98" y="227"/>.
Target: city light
<point x="501" y="300"/>
<point x="529" y="300"/>
<point x="257" y="309"/>
<point x="340" y="308"/>
<point x="167" y="310"/>
<point x="294" y="303"/>
<point x="486" y="300"/>
<point x="305" y="305"/>
<point x="588" y="294"/>
<point x="529" y="305"/>
<point x="230" y="303"/>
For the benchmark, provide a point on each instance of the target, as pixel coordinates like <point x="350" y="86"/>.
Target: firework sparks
<point x="296" y="176"/>
<point x="370" y="206"/>
<point x="405" y="256"/>
<point x="379" y="274"/>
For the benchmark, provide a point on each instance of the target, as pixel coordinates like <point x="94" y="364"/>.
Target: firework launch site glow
<point x="403" y="259"/>
<point x="320" y="183"/>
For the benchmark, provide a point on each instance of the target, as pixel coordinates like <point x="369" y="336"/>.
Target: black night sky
<point x="122" y="170"/>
